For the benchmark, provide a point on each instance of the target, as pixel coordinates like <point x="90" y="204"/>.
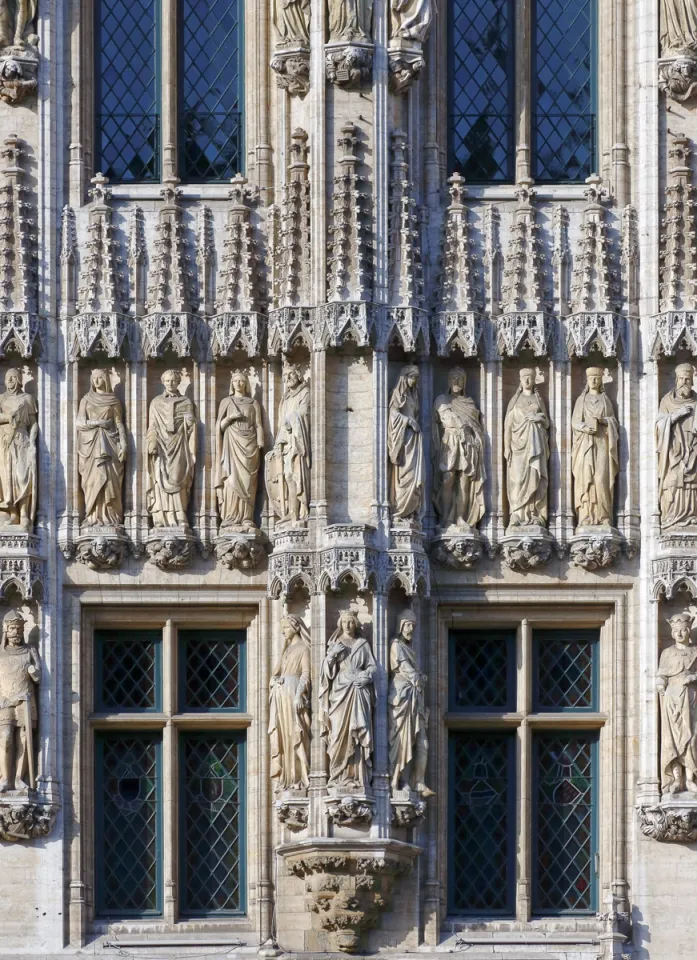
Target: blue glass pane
<point x="564" y="827"/>
<point x="482" y="670"/>
<point x="481" y="95"/>
<point x="128" y="817"/>
<point x="566" y="669"/>
<point x="211" y="118"/>
<point x="213" y="854"/>
<point x="564" y="109"/>
<point x="481" y="815"/>
<point x="127" y="146"/>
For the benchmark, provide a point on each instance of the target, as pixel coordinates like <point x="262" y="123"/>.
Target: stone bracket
<point x="90" y="333"/>
<point x="677" y="76"/>
<point x="460" y="551"/>
<point x="405" y="61"/>
<point x="19" y="70"/>
<point x="349" y="64"/>
<point x="22" y="818"/>
<point x="292" y="812"/>
<point x="523" y="331"/>
<point x="19" y="331"/>
<point x="594" y="331"/>
<point x="292" y="68"/>
<point x="350" y="810"/>
<point x="669" y="822"/>
<point x="674" y="330"/>
<point x="170" y="548"/>
<point x="595" y="550"/>
<point x="526" y="551"/>
<point x="458" y="331"/>
<point x="240" y="550"/>
<point x="408" y="808"/>
<point x="102" y="548"/>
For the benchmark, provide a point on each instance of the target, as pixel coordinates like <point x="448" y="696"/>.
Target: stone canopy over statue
<point x="288" y="464"/>
<point x="594" y="453"/>
<point x="676" y="446"/>
<point x="677" y="689"/>
<point x="19" y="431"/>
<point x="20" y="674"/>
<point x="526" y="452"/>
<point x="101" y="452"/>
<point x="171" y="454"/>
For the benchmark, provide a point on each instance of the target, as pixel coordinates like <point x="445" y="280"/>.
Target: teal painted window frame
<point x="592" y="736"/>
<point x="241" y="641"/>
<point x="240" y="737"/>
<point x="125" y="635"/>
<point x="593" y="637"/>
<point x="100" y="737"/>
<point x="509" y="910"/>
<point x="510" y="638"/>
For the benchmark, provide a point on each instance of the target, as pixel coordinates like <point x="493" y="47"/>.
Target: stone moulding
<point x="526" y="551"/>
<point x="348" y="885"/>
<point x="102" y="548"/>
<point x="669" y="822"/>
<point x="170" y="548"/>
<point x="21" y="568"/>
<point x="292" y="68"/>
<point x="458" y="550"/>
<point x="92" y="333"/>
<point x="407" y="808"/>
<point x="240" y="550"/>
<point x="25" y="819"/>
<point x="349" y="65"/>
<point x="677" y="76"/>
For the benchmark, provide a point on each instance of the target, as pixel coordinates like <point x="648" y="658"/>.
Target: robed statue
<point x="347" y="698"/>
<point x="239" y="439"/>
<point x="20" y="673"/>
<point x="526" y="452"/>
<point x="289" y="714"/>
<point x="405" y="448"/>
<point x="676" y="445"/>
<point x="292" y="21"/>
<point x="288" y="464"/>
<point x="678" y="27"/>
<point x="410" y="19"/>
<point x="16" y="22"/>
<point x="101" y="452"/>
<point x="458" y="456"/>
<point x="594" y="453"/>
<point x="407" y="713"/>
<point x="350" y="20"/>
<point x="677" y="690"/>
<point x="19" y="430"/>
<point x="171" y="454"/>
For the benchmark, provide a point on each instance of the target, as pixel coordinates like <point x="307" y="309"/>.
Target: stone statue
<point x="407" y="713"/>
<point x="288" y="464"/>
<point x="410" y="19"/>
<point x="350" y="20"/>
<point x="678" y="27"/>
<point x="239" y="438"/>
<point x="292" y="21"/>
<point x="526" y="451"/>
<point x="405" y="448"/>
<point x="594" y="455"/>
<point x="458" y="456"/>
<point x="171" y="454"/>
<point x="289" y="718"/>
<point x="347" y="698"/>
<point x="19" y="430"/>
<point x="16" y="22"/>
<point x="101" y="452"/>
<point x="676" y="444"/>
<point x="20" y="673"/>
<point x="677" y="690"/>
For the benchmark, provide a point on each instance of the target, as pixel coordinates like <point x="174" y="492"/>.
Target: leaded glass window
<point x="481" y="89"/>
<point x="481" y="814"/>
<point x="128" y="666"/>
<point x="127" y="98"/>
<point x="212" y="770"/>
<point x="128" y="852"/>
<point x="210" y="115"/>
<point x="564" y="846"/>
<point x="564" y="111"/>
<point x="566" y="667"/>
<point x="482" y="670"/>
<point x="213" y="668"/>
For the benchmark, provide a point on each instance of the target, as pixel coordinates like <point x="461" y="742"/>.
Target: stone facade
<point x="348" y="404"/>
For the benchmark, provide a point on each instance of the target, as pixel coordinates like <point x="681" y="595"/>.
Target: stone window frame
<point x="168" y="614"/>
<point x="558" y="607"/>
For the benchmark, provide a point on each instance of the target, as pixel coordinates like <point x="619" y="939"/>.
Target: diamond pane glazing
<point x="127" y="146"/>
<point x="564" y="829"/>
<point x="128" y="847"/>
<point x="211" y="119"/>
<point x="128" y="664"/>
<point x="213" y="669"/>
<point x="481" y="805"/>
<point x="565" y="669"/>
<point x="481" y="92"/>
<point x="482" y="666"/>
<point x="212" y="771"/>
<point x="564" y="111"/>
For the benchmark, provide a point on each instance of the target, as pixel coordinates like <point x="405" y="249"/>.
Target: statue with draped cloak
<point x="101" y="452"/>
<point x="289" y="715"/>
<point x="594" y="453"/>
<point x="676" y="445"/>
<point x="288" y="464"/>
<point x="19" y="430"/>
<point x="405" y="448"/>
<point x="677" y="692"/>
<point x="239" y="440"/>
<point x="526" y="452"/>
<point x="171" y="454"/>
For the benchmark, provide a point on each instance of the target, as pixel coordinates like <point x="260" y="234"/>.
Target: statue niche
<point x="171" y="444"/>
<point x="19" y="432"/>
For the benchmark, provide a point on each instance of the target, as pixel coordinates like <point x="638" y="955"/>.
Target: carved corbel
<point x="105" y="550"/>
<point x="669" y="823"/>
<point x="170" y="549"/>
<point x="349" y="65"/>
<point x="19" y="70"/>
<point x="240" y="551"/>
<point x="677" y="76"/>
<point x="350" y="811"/>
<point x="292" y="69"/>
<point x="527" y="552"/>
<point x="405" y="62"/>
<point x="292" y="812"/>
<point x="25" y="819"/>
<point x="595" y="551"/>
<point x="458" y="552"/>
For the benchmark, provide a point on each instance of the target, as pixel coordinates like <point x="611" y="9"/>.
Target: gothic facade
<point x="348" y="478"/>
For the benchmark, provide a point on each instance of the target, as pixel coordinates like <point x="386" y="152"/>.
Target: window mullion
<point x="524" y="702"/>
<point x="523" y="87"/>
<point x="169" y="67"/>
<point x="170" y="773"/>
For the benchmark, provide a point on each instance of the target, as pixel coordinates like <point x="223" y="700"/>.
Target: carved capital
<point x="292" y="69"/>
<point x="669" y="823"/>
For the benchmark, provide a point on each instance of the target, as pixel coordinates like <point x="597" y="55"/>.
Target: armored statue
<point x="20" y="673"/>
<point x="526" y="451"/>
<point x="458" y="456"/>
<point x="676" y="445"/>
<point x="19" y="431"/>
<point x="239" y="435"/>
<point x="289" y="718"/>
<point x="407" y="713"/>
<point x="405" y="448"/>
<point x="347" y="698"/>
<point x="677" y="690"/>
<point x="171" y="454"/>
<point x="288" y="464"/>
<point x="101" y="452"/>
<point x="594" y="452"/>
